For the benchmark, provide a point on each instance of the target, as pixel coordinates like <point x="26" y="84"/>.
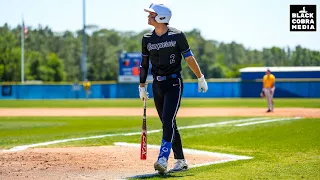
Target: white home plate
<point x="195" y="158"/>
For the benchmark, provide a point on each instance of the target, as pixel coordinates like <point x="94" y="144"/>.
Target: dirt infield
<point x="183" y="112"/>
<point x="109" y="162"/>
<point x="106" y="162"/>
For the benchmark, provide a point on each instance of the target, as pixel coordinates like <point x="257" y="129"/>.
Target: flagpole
<point x="22" y="51"/>
<point x="84" y="43"/>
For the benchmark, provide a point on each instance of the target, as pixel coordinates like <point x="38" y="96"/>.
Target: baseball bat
<point x="143" y="151"/>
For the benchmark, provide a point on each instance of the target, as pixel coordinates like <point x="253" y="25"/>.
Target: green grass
<point x="16" y="131"/>
<point x="186" y="102"/>
<point x="281" y="150"/>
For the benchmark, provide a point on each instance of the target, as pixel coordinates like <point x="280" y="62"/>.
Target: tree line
<point x="54" y="57"/>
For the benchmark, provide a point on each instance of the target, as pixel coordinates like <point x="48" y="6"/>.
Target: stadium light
<point x="84" y="43"/>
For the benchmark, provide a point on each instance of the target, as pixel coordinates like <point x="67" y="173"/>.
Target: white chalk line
<point x="268" y="121"/>
<point x="229" y="157"/>
<point x="226" y="157"/>
<point x="24" y="147"/>
<point x="186" y="150"/>
<point x="222" y="123"/>
<point x="193" y="166"/>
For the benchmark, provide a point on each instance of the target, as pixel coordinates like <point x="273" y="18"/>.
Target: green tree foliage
<point x="56" y="56"/>
<point x="34" y="61"/>
<point x="55" y="68"/>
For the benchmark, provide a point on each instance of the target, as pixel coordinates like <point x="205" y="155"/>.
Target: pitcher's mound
<point x="104" y="162"/>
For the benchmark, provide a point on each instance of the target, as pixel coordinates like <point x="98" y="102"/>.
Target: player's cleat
<point x="180" y="165"/>
<point x="269" y="110"/>
<point x="161" y="165"/>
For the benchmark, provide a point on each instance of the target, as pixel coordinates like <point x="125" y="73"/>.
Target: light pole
<point x="22" y="50"/>
<point x="84" y="43"/>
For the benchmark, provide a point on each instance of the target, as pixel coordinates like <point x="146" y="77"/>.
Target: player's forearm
<point x="143" y="75"/>
<point x="193" y="65"/>
<point x="144" y="67"/>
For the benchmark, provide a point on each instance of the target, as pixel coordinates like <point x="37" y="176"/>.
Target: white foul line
<point x="221" y="123"/>
<point x="24" y="147"/>
<point x="189" y="151"/>
<point x="227" y="157"/>
<point x="267" y="121"/>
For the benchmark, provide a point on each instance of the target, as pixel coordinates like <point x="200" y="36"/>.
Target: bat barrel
<point x="143" y="151"/>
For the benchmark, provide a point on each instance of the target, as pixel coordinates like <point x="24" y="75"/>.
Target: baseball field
<point x="100" y="139"/>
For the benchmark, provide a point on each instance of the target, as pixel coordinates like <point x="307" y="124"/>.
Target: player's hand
<point x="143" y="93"/>
<point x="202" y="84"/>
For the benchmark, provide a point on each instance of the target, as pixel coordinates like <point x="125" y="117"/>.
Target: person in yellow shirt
<point x="268" y="88"/>
<point x="87" y="87"/>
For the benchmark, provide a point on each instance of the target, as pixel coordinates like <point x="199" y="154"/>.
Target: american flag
<point x="25" y="30"/>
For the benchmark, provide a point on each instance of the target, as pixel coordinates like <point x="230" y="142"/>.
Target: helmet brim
<point x="149" y="10"/>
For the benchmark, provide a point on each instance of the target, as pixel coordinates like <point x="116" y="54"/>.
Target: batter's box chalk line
<point x="225" y="157"/>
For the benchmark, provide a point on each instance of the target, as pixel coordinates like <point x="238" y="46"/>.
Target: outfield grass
<point x="186" y="102"/>
<point x="15" y="131"/>
<point x="281" y="150"/>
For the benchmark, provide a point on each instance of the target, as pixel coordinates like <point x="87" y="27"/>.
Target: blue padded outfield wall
<point x="284" y="89"/>
<point x="224" y="89"/>
<point x="237" y="89"/>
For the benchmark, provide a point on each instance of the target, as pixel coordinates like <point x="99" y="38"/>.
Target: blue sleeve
<point x="184" y="46"/>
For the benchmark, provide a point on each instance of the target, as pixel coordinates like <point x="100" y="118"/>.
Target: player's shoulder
<point x="272" y="76"/>
<point x="147" y="35"/>
<point x="174" y="32"/>
<point x="264" y="76"/>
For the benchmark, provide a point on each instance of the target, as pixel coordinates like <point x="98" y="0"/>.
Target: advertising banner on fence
<point x="129" y="68"/>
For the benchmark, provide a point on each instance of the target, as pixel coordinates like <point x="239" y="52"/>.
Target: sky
<point x="256" y="24"/>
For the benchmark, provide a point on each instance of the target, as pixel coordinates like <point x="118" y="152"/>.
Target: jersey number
<point x="172" y="60"/>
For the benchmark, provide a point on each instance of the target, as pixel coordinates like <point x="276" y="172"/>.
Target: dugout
<point x="300" y="81"/>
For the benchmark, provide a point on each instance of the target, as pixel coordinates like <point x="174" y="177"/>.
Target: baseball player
<point x="87" y="87"/>
<point x="164" y="47"/>
<point x="268" y="88"/>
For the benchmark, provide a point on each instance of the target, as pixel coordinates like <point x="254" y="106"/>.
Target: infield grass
<point x="186" y="102"/>
<point x="280" y="150"/>
<point x="15" y="131"/>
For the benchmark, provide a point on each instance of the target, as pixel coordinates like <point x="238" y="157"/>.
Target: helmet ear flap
<point x="162" y="18"/>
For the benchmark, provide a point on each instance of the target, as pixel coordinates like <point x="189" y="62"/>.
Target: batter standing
<point x="164" y="47"/>
<point x="268" y="88"/>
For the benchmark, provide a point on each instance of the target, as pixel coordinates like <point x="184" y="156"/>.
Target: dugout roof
<point x="253" y="73"/>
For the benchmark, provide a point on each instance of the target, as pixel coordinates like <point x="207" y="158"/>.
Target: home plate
<point x="195" y="158"/>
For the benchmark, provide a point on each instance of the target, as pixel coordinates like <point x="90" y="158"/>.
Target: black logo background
<point x="309" y="9"/>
